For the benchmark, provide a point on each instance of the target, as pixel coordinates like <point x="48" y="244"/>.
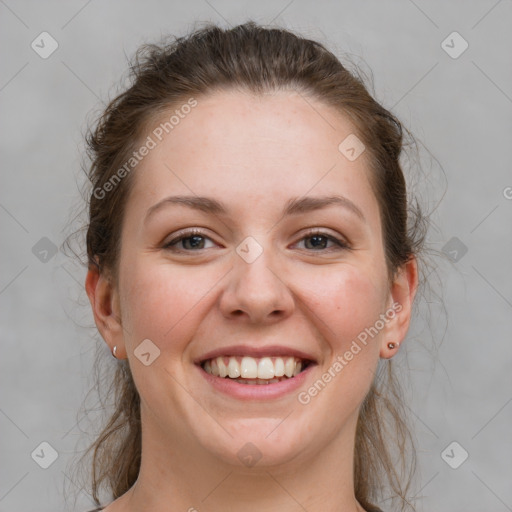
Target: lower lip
<point x="256" y="391"/>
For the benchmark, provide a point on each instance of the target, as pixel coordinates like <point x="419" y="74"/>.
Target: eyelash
<point x="342" y="245"/>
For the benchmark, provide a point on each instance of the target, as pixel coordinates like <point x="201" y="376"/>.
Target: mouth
<point x="249" y="370"/>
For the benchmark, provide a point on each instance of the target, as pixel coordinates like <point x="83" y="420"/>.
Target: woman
<point x="253" y="263"/>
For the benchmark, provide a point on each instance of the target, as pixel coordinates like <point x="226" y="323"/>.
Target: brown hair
<point x="252" y="58"/>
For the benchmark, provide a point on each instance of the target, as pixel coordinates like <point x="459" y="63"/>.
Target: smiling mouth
<point x="250" y="370"/>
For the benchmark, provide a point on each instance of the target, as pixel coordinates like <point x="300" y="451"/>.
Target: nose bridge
<point x="256" y="288"/>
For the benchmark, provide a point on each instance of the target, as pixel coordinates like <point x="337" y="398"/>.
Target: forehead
<point x="247" y="149"/>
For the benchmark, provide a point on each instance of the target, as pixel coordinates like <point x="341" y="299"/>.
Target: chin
<point x="258" y="442"/>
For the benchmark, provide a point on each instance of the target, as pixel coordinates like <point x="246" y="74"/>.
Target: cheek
<point x="346" y="302"/>
<point x="162" y="304"/>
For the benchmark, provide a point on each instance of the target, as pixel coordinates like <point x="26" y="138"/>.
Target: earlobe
<point x="402" y="294"/>
<point x="104" y="300"/>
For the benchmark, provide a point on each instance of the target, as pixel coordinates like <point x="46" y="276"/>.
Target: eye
<point x="319" y="240"/>
<point x="191" y="240"/>
<point x="194" y="240"/>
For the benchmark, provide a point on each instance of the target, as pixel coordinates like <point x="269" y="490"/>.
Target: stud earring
<point x="392" y="345"/>
<point x="114" y="351"/>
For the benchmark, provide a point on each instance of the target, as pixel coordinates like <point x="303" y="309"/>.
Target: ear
<point x="104" y="299"/>
<point x="402" y="293"/>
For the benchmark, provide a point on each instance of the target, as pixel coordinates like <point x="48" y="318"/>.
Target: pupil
<point x="195" y="240"/>
<point x="317" y="238"/>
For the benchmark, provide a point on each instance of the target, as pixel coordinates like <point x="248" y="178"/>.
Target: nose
<point x="257" y="291"/>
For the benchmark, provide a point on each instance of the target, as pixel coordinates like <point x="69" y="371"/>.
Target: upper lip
<point x="256" y="352"/>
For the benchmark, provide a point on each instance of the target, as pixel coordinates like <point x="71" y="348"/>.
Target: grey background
<point x="460" y="109"/>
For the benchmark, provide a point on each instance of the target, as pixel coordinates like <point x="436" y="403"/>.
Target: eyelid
<point x="188" y="232"/>
<point x="324" y="232"/>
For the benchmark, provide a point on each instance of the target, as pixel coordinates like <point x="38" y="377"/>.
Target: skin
<point x="253" y="154"/>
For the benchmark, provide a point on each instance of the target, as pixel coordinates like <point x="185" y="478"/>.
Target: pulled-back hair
<point x="251" y="58"/>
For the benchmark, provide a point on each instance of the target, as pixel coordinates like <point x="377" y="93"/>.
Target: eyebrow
<point x="294" y="206"/>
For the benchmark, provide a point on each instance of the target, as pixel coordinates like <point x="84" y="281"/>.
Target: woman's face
<point x="272" y="270"/>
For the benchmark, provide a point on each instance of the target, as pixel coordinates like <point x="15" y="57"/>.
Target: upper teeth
<point x="252" y="368"/>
